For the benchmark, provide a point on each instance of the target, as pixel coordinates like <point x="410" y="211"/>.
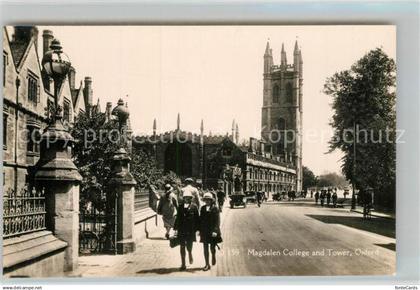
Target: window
<point x="281" y="124"/>
<point x="5" y="63"/>
<point x="66" y="111"/>
<point x="4" y="131"/>
<point x="276" y="94"/>
<point x="289" y="93"/>
<point x="33" y="139"/>
<point x="32" y="88"/>
<point x="227" y="152"/>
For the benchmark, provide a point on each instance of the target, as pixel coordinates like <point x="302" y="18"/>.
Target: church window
<point x="5" y="131"/>
<point x="227" y="152"/>
<point x="33" y="138"/>
<point x="5" y="63"/>
<point x="281" y="124"/>
<point x="289" y="93"/>
<point x="276" y="94"/>
<point x="33" y="92"/>
<point x="66" y="111"/>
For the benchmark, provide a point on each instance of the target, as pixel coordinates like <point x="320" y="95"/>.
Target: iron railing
<point x="23" y="212"/>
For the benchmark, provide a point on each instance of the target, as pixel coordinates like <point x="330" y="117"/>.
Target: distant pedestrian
<point x="316" y="197"/>
<point x="259" y="197"/>
<point x="210" y="234"/>
<point x="167" y="208"/>
<point x="199" y="187"/>
<point x="216" y="199"/>
<point x="322" y="197"/>
<point x="283" y="194"/>
<point x="221" y="196"/>
<point x="191" y="189"/>
<point x="187" y="223"/>
<point x="328" y="197"/>
<point x="312" y="193"/>
<point x="334" y="198"/>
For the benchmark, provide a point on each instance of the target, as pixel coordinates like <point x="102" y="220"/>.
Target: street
<point x="345" y="243"/>
<point x="278" y="239"/>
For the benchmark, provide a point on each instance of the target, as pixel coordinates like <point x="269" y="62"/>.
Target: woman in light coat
<point x="167" y="208"/>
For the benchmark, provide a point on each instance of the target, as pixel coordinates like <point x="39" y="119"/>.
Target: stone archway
<point x="178" y="159"/>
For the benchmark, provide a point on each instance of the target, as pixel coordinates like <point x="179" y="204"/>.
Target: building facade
<point x="219" y="161"/>
<point x="272" y="164"/>
<point x="27" y="96"/>
<point x="282" y="110"/>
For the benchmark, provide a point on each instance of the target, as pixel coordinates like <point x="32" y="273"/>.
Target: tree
<point x="96" y="143"/>
<point x="309" y="178"/>
<point x="332" y="179"/>
<point x="364" y="99"/>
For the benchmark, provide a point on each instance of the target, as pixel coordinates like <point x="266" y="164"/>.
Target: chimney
<point x="25" y="34"/>
<point x="88" y="93"/>
<point x="47" y="38"/>
<point x="72" y="78"/>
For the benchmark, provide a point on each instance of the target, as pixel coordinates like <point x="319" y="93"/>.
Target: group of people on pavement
<point x="326" y="196"/>
<point x="189" y="211"/>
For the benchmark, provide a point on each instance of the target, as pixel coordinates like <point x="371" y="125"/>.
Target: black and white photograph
<point x="199" y="150"/>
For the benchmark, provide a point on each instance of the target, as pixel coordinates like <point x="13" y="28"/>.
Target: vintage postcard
<point x="199" y="151"/>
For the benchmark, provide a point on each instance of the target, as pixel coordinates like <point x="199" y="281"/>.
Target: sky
<point x="215" y="73"/>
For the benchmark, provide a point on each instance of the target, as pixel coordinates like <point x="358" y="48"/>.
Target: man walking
<point x="191" y="190"/>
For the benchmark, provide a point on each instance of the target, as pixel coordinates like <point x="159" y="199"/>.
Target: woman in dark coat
<point x="210" y="234"/>
<point x="187" y="223"/>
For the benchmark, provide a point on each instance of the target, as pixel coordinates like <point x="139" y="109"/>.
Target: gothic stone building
<point x="219" y="161"/>
<point x="29" y="249"/>
<point x="270" y="164"/>
<point x="27" y="92"/>
<point x="282" y="108"/>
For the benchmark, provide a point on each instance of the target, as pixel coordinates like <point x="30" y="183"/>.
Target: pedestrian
<point x="187" y="223"/>
<point x="167" y="208"/>
<point x="216" y="200"/>
<point x="334" y="198"/>
<point x="259" y="198"/>
<point x="191" y="189"/>
<point x="199" y="187"/>
<point x="316" y="197"/>
<point x="322" y="197"/>
<point x="221" y="196"/>
<point x="312" y="193"/>
<point x="328" y="197"/>
<point x="210" y="234"/>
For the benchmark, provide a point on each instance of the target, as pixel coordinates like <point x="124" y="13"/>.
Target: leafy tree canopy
<point x="364" y="98"/>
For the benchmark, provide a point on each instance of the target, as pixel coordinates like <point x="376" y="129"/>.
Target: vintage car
<point x="237" y="200"/>
<point x="251" y="197"/>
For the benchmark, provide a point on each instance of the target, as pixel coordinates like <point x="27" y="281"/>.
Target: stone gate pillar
<point x="123" y="183"/>
<point x="57" y="175"/>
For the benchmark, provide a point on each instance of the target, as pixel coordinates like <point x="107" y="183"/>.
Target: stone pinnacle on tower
<point x="267" y="48"/>
<point x="154" y="126"/>
<point x="283" y="60"/>
<point x="202" y="127"/>
<point x="268" y="58"/>
<point x="233" y="130"/>
<point x="237" y="134"/>
<point x="178" y="122"/>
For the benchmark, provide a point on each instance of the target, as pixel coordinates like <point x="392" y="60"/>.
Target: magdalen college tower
<point x="281" y="125"/>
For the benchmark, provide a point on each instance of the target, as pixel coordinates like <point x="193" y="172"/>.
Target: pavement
<point x="279" y="238"/>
